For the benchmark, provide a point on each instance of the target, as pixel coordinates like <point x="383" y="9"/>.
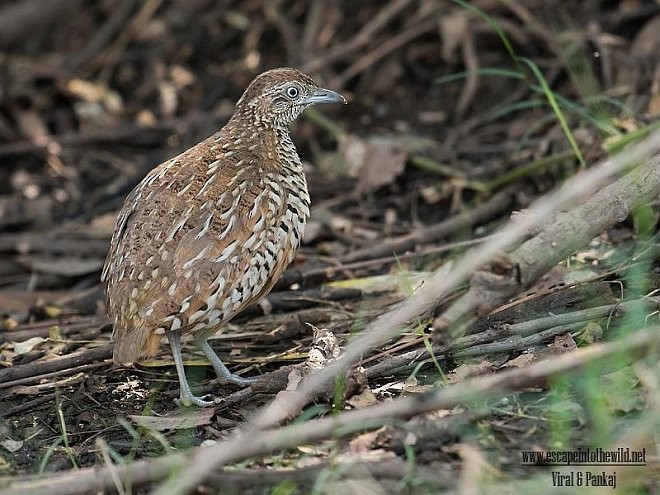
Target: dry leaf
<point x="179" y="421"/>
<point x="51" y="311"/>
<point x="466" y="370"/>
<point x="378" y="160"/>
<point x="411" y="386"/>
<point x="92" y="92"/>
<point x="27" y="345"/>
<point x="364" y="399"/>
<point x="382" y="165"/>
<point x="525" y="359"/>
<point x="11" y="445"/>
<point x="562" y="344"/>
<point x="363" y="443"/>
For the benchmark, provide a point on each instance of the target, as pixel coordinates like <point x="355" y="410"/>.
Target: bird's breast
<point x="287" y="209"/>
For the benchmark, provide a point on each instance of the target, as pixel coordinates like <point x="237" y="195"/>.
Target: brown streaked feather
<point x="207" y="233"/>
<point x="141" y="299"/>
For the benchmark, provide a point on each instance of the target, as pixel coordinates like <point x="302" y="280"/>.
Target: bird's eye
<point x="292" y="92"/>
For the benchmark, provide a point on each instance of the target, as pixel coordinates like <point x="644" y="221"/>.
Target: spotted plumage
<point x="210" y="231"/>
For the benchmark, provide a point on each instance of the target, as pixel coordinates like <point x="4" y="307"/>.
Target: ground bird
<point x="210" y="231"/>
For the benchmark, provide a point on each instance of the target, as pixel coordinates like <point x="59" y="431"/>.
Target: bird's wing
<point x="191" y="249"/>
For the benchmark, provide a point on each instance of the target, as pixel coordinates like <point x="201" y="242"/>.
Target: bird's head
<point x="279" y="96"/>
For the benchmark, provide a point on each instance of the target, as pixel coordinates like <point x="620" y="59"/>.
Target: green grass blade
<point x="48" y="454"/>
<point x="631" y="137"/>
<point x="579" y="110"/>
<point x="500" y="32"/>
<point x="549" y="94"/>
<point x="486" y="71"/>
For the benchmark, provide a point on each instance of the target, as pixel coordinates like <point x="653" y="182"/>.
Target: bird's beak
<point x="324" y="96"/>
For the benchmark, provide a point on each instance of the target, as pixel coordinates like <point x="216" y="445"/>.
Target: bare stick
<point x="85" y="356"/>
<point x="473" y="344"/>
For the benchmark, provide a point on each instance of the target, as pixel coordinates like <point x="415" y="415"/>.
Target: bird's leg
<point x="219" y="367"/>
<point x="186" y="396"/>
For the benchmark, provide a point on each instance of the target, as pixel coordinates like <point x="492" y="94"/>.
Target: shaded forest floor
<point x="445" y="135"/>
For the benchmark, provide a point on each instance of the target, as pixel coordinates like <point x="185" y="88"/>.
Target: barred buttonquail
<point x="210" y="231"/>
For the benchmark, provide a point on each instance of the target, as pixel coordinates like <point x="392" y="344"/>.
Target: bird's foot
<point x="188" y="400"/>
<point x="239" y="380"/>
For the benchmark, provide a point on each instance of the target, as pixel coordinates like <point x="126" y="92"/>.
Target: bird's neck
<point x="266" y="142"/>
<point x="287" y="152"/>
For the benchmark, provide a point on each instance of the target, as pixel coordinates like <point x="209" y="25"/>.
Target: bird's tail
<point x="131" y="345"/>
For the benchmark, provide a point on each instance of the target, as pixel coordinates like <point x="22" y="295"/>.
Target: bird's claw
<point x="240" y="380"/>
<point x="191" y="400"/>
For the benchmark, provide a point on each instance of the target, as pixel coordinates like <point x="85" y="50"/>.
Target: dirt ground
<point x="441" y="119"/>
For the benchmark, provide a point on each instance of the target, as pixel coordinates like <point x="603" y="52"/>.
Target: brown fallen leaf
<point x="467" y="370"/>
<point x="364" y="399"/>
<point x="412" y="386"/>
<point x="382" y="163"/>
<point x="562" y="344"/>
<point x="363" y="442"/>
<point x="378" y="160"/>
<point x="525" y="359"/>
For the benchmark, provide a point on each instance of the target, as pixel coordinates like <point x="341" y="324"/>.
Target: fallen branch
<point x="43" y="329"/>
<point x="29" y="380"/>
<point x="511" y="274"/>
<point x="85" y="356"/>
<point x="477" y="343"/>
